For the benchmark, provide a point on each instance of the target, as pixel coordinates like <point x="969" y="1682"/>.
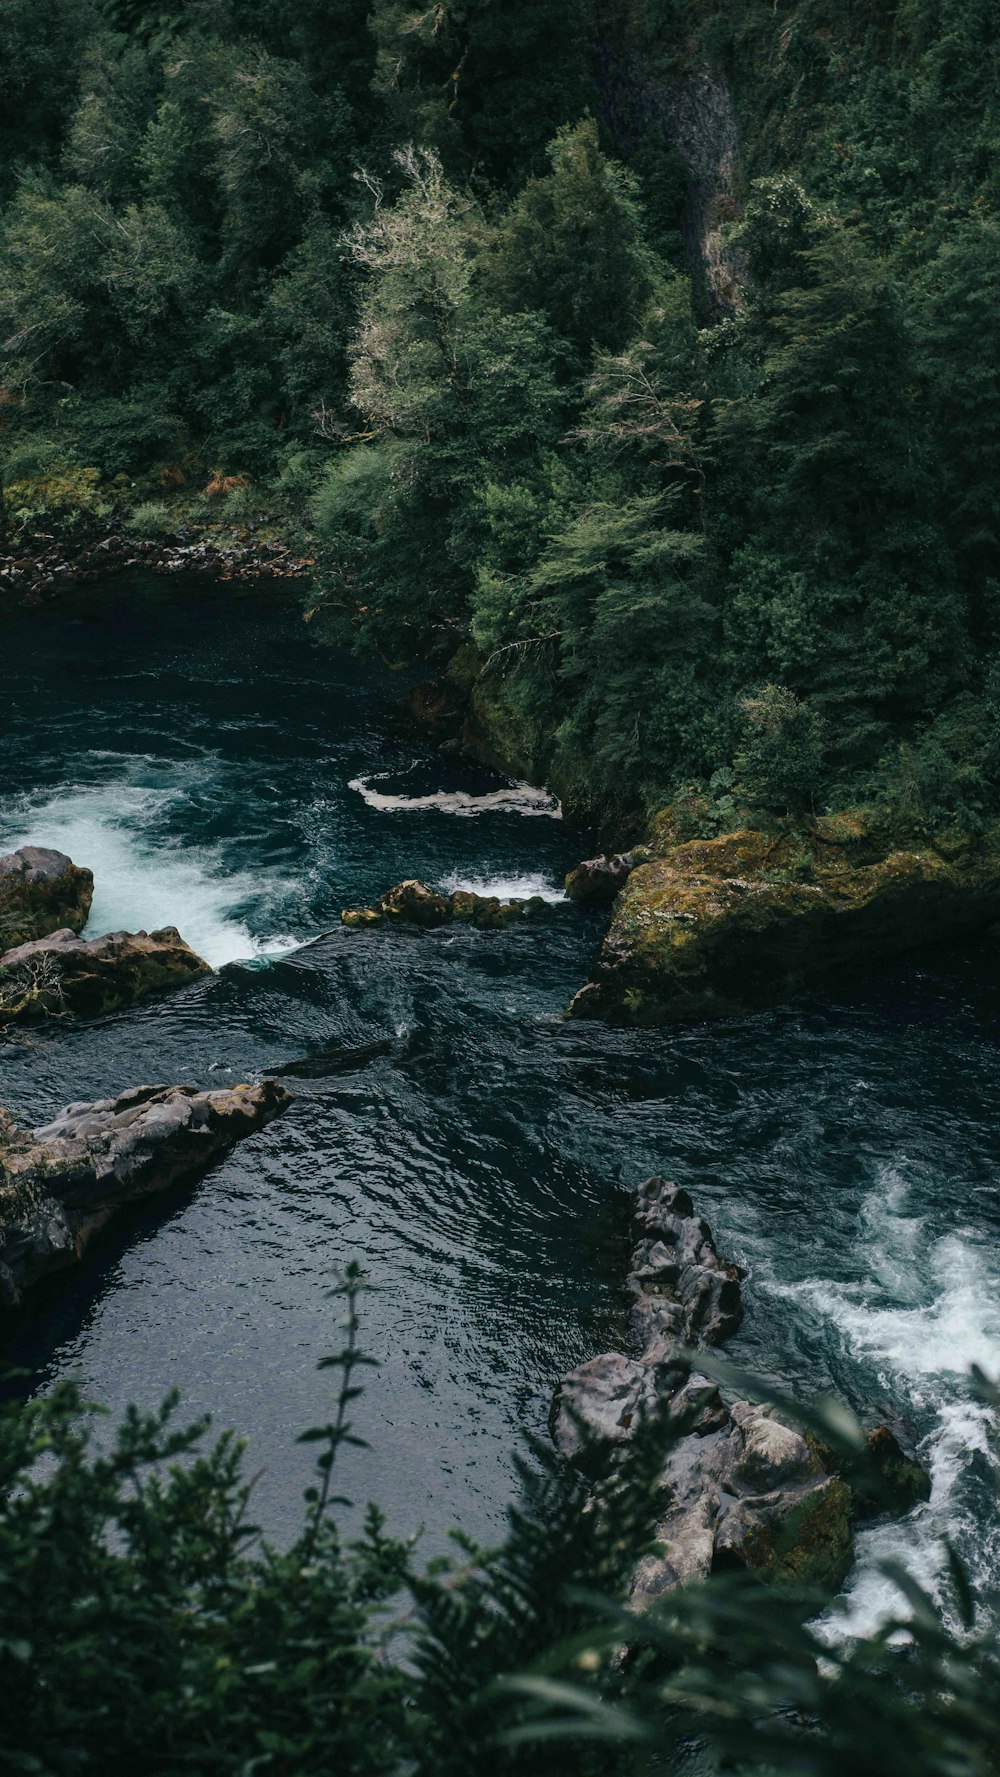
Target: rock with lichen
<point x="596" y="881"/>
<point x="412" y="903"/>
<point x="717" y="927"/>
<point x="61" y="1183"/>
<point x="40" y="891"/>
<point x="88" y="976"/>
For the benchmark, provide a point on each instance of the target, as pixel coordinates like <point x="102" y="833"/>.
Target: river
<point x="221" y="773"/>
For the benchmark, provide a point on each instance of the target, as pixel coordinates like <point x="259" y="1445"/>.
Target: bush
<point x="151" y="518"/>
<point x="145" y="1627"/>
<point x="69" y="499"/>
<point x="780" y="764"/>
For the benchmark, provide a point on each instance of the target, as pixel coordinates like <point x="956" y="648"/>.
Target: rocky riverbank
<point x="741" y="1488"/>
<point x="63" y="1182"/>
<point x="44" y="566"/>
<point x="708" y="928"/>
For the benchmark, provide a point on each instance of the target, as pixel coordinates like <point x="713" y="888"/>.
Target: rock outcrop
<point x="41" y="890"/>
<point x="61" y="1183"/>
<point x="412" y="903"/>
<point x="716" y="927"/>
<point x="89" y="976"/>
<point x="596" y="881"/>
<point x="740" y="1488"/>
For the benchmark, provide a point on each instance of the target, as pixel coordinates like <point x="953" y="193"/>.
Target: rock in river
<point x="61" y="1183"/>
<point x="88" y="976"/>
<point x="41" y="890"/>
<point x="740" y="1487"/>
<point x="412" y="903"/>
<point x="596" y="881"/>
<point x="710" y="928"/>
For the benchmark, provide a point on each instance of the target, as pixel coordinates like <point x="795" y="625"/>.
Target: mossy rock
<point x="413" y="903"/>
<point x="64" y="974"/>
<point x="717" y="927"/>
<point x="803" y="1540"/>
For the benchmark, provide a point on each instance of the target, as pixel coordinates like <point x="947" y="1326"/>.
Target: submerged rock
<point x="89" y="976"/>
<point x="59" y="1184"/>
<point x="41" y="890"/>
<point x="717" y="927"/>
<point x="413" y="903"/>
<point x="740" y="1487"/>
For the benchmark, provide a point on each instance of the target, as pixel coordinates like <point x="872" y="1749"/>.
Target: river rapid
<point x="219" y="772"/>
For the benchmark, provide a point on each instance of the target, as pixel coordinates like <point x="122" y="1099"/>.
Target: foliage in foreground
<point x="145" y="1627"/>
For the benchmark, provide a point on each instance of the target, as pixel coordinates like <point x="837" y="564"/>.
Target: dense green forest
<point x="638" y="358"/>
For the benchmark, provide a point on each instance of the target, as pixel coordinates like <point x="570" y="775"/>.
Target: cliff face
<point x="716" y="927"/>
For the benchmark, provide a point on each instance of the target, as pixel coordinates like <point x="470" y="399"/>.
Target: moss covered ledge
<point x="712" y="928"/>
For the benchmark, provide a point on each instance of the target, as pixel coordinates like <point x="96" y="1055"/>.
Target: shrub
<point x="780" y="764"/>
<point x="68" y="498"/>
<point x="151" y="518"/>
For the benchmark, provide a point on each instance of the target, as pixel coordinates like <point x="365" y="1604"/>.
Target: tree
<point x="780" y="762"/>
<point x="572" y="247"/>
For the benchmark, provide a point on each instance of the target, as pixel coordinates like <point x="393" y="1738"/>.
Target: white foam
<point x="506" y="888"/>
<point x="524" y="799"/>
<point x="921" y="1347"/>
<point x="142" y="882"/>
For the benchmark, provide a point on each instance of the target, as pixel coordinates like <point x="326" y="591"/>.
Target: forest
<point x="631" y="367"/>
<point x="632" y="362"/>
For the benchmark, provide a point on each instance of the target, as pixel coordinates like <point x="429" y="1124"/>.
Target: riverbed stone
<point x="412" y="903"/>
<point x="740" y="1486"/>
<point x="61" y="1183"/>
<point x="90" y="976"/>
<point x="718" y="927"/>
<point x="802" y="1536"/>
<point x="41" y="890"/>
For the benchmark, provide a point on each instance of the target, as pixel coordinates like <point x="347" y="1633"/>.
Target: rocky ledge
<point x="596" y="881"/>
<point x="40" y="890"/>
<point x="412" y="903"/>
<point x="88" y="976"/>
<point x="741" y="1488"/>
<point x="708" y="928"/>
<point x="61" y="1183"/>
<point x="48" y="564"/>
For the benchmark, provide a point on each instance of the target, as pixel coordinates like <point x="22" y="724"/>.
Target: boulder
<point x="413" y="903"/>
<point x="718" y="927"/>
<point x="740" y="1487"/>
<point x="596" y="881"/>
<point x="41" y="890"/>
<point x="801" y="1535"/>
<point x="679" y="1289"/>
<point x="89" y="976"/>
<point x="59" y="1184"/>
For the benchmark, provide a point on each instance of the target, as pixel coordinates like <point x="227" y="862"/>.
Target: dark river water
<point x="220" y="773"/>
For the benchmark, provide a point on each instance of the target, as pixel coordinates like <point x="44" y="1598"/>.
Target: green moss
<point x="714" y="927"/>
<point x="813" y="1546"/>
